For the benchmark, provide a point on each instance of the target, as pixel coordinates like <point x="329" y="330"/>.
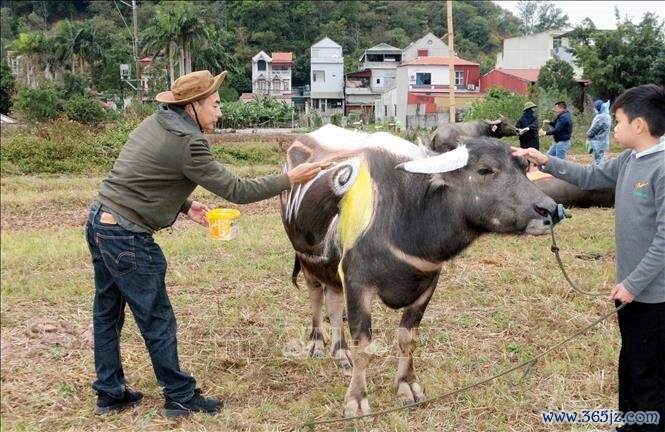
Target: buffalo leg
<point x="358" y="302"/>
<point x="316" y="344"/>
<point x="339" y="349"/>
<point x="406" y="384"/>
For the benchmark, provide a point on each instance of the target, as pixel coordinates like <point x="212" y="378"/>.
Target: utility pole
<point x="139" y="84"/>
<point x="451" y="65"/>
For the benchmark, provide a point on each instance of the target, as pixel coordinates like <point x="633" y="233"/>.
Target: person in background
<point x="561" y="130"/>
<point x="164" y="159"/>
<point x="527" y="127"/>
<point x="638" y="176"/>
<point x="598" y="135"/>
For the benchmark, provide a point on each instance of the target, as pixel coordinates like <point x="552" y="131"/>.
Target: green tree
<point x="558" y="76"/>
<point x="7" y="87"/>
<point x="616" y="60"/>
<point x="539" y="16"/>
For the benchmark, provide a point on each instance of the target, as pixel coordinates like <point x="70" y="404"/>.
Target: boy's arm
<point x="652" y="262"/>
<point x="586" y="176"/>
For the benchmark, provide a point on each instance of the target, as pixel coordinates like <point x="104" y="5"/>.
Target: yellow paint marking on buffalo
<point x="355" y="209"/>
<point x="355" y="213"/>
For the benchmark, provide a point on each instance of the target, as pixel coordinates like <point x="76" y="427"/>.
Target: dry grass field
<point x="242" y="326"/>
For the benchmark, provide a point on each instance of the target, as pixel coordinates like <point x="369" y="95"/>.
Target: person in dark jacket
<point x="527" y="127"/>
<point x="164" y="159"/>
<point x="561" y="129"/>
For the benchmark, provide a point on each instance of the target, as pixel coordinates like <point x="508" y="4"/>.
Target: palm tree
<point x="66" y="42"/>
<point x="191" y="32"/>
<point x="161" y="36"/>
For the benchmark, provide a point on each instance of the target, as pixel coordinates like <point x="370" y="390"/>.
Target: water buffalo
<point x="570" y="195"/>
<point x="382" y="220"/>
<point x="449" y="134"/>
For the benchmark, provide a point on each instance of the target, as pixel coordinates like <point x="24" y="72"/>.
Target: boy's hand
<point x="531" y="154"/>
<point x="620" y="293"/>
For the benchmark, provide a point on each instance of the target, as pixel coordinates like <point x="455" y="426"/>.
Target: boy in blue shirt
<point x="638" y="175"/>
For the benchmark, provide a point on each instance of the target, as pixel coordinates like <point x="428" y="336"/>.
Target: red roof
<point x="530" y="75"/>
<point x="439" y="61"/>
<point x="285" y="57"/>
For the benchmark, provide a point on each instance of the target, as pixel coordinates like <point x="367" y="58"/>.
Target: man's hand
<point x="620" y="293"/>
<point x="541" y="132"/>
<point x="531" y="154"/>
<point x="521" y="131"/>
<point x="197" y="213"/>
<point x="306" y="171"/>
<point x="546" y="122"/>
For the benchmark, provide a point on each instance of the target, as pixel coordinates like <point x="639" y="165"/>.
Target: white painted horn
<point x="448" y="161"/>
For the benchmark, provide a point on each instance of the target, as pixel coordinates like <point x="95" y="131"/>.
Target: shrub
<point x="498" y="101"/>
<point x="84" y="109"/>
<point x="62" y="146"/>
<point x="7" y="87"/>
<point x="39" y="104"/>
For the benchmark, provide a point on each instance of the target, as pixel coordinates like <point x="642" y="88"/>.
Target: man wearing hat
<point x="527" y="127"/>
<point x="162" y="162"/>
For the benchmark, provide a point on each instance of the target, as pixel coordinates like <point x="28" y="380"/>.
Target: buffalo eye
<point x="485" y="171"/>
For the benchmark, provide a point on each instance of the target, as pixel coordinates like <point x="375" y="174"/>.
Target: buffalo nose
<point x="547" y="207"/>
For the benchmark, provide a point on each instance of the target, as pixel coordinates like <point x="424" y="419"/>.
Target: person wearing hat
<point x="598" y="135"/>
<point x="162" y="162"/>
<point x="527" y="127"/>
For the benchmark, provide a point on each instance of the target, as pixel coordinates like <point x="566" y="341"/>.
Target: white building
<point x="533" y="51"/>
<point x="427" y="46"/>
<point x="327" y="76"/>
<point x="271" y="75"/>
<point x="376" y="74"/>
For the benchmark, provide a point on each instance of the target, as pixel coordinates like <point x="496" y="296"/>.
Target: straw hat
<point x="528" y="105"/>
<point x="191" y="87"/>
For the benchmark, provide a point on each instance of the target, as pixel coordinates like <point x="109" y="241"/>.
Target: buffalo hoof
<point x="315" y="348"/>
<point x="410" y="393"/>
<point x="343" y="359"/>
<point x="356" y="407"/>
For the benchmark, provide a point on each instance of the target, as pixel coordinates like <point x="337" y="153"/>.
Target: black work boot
<point x="107" y="404"/>
<point x="197" y="403"/>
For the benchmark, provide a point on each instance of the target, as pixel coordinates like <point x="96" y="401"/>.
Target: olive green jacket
<point x="163" y="161"/>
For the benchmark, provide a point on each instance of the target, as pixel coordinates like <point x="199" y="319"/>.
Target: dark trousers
<point x="642" y="361"/>
<point x="130" y="269"/>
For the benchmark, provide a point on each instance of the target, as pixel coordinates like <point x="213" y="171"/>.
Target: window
<point x="378" y="80"/>
<point x="276" y="84"/>
<point x="261" y="84"/>
<point x="261" y="65"/>
<point x="286" y="85"/>
<point x="423" y="53"/>
<point x="319" y="76"/>
<point x="423" y="78"/>
<point x="459" y="78"/>
<point x="385" y="110"/>
<point x="556" y="42"/>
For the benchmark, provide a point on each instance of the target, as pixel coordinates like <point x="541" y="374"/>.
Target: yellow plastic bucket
<point x="223" y="223"/>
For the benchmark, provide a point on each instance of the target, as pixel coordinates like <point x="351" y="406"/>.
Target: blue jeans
<point x="559" y="149"/>
<point x="130" y="269"/>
